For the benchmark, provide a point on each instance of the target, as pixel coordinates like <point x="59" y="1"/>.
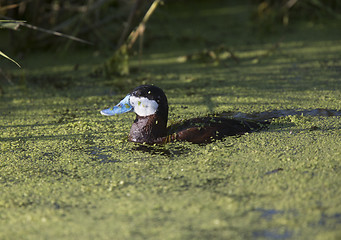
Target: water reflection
<point x="272" y="234"/>
<point x="162" y="150"/>
<point x="99" y="154"/>
<point x="268" y="213"/>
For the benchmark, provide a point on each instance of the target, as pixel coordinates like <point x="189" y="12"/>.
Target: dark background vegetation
<point x="102" y="22"/>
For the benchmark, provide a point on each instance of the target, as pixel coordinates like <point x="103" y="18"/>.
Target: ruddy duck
<point x="150" y="126"/>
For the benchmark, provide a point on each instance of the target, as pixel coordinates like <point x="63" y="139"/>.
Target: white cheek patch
<point x="143" y="106"/>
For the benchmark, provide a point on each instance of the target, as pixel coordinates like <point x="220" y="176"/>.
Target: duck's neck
<point x="148" y="129"/>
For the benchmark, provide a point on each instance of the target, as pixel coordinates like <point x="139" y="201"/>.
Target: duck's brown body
<point x="207" y="129"/>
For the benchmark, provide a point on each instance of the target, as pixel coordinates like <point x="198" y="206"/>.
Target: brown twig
<point x="128" y="24"/>
<point x="140" y="29"/>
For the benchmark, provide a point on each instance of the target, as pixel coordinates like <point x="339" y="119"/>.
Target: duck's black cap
<point x="149" y="91"/>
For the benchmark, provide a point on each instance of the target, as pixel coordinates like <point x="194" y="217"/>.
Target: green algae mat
<point x="66" y="172"/>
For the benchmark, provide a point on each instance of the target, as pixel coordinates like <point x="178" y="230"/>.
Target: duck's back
<point x="207" y="129"/>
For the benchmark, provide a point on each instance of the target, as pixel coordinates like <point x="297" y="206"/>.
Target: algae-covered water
<point x="67" y="172"/>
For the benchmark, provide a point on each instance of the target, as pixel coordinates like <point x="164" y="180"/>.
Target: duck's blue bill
<point x="121" y="107"/>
